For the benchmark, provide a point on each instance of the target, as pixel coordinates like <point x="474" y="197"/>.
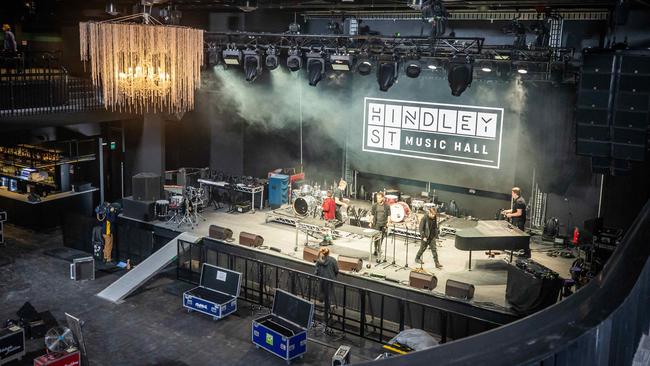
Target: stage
<point x="488" y="275"/>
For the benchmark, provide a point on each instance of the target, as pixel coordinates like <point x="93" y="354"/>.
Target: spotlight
<point x="459" y="74"/>
<point x="294" y="60"/>
<point x="521" y="69"/>
<point x="232" y="56"/>
<point x="315" y="67"/>
<point x="252" y="65"/>
<point x="364" y="65"/>
<point x="434" y="65"/>
<point x="487" y="67"/>
<point x="212" y="55"/>
<point x="271" y="60"/>
<point x="387" y="74"/>
<point x="341" y="62"/>
<point x="413" y="69"/>
<point x="111" y="9"/>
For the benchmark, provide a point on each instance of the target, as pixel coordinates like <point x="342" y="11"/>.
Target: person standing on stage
<point x="10" y="46"/>
<point x="328" y="269"/>
<point x="329" y="214"/>
<point x="517" y="214"/>
<point x="380" y="212"/>
<point x="429" y="234"/>
<point x="341" y="203"/>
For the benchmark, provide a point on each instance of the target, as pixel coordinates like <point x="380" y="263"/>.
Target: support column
<point x="150" y="151"/>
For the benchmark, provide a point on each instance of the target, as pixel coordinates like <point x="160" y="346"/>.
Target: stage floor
<point x="488" y="275"/>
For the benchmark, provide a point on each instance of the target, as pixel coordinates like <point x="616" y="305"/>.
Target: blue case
<point x="284" y="331"/>
<point x="216" y="294"/>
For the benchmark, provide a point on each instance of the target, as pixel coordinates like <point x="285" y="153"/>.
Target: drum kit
<point x="182" y="209"/>
<point x="307" y="200"/>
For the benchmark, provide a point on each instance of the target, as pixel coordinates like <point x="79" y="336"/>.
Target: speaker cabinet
<point x="459" y="289"/>
<point x="589" y="99"/>
<point x="350" y="264"/>
<point x="426" y="281"/>
<point x="591" y="117"/>
<point x="598" y="63"/>
<point x="628" y="152"/>
<point x="631" y="119"/>
<point x="629" y="136"/>
<point x="220" y="233"/>
<point x="139" y="210"/>
<point x="593" y="132"/>
<point x="310" y="254"/>
<point x="146" y="187"/>
<point x="250" y="240"/>
<point x="594" y="148"/>
<point x="632" y="102"/>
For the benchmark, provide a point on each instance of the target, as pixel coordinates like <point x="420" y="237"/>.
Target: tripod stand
<point x="391" y="264"/>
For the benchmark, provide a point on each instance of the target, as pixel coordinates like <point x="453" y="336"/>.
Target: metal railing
<point x="359" y="311"/>
<point x="40" y="86"/>
<point x="601" y="324"/>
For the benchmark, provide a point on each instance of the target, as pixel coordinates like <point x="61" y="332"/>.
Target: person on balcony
<point x="10" y="47"/>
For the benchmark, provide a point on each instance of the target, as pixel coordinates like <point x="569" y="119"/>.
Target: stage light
<point x="252" y="65"/>
<point x="387" y="74"/>
<point x="212" y="55"/>
<point x="294" y="60"/>
<point x="521" y="69"/>
<point x="459" y="74"/>
<point x="413" y="69"/>
<point x="271" y="60"/>
<point x="364" y="67"/>
<point x="341" y="62"/>
<point x="487" y="67"/>
<point x="434" y="65"/>
<point x="315" y="67"/>
<point x="232" y="56"/>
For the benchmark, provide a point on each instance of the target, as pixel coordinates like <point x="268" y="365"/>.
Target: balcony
<point x="37" y="84"/>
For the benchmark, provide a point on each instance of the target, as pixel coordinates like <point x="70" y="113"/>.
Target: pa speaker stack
<point x="612" y="110"/>
<point x="146" y="189"/>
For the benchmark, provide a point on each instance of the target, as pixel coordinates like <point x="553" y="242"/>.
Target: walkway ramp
<point x="148" y="268"/>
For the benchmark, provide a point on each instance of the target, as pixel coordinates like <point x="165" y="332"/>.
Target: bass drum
<point x="303" y="206"/>
<point x="399" y="211"/>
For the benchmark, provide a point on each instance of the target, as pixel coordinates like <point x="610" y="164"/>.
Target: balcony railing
<point x="32" y="87"/>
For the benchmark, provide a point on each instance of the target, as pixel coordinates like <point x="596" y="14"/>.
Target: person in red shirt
<point x="329" y="207"/>
<point x="329" y="214"/>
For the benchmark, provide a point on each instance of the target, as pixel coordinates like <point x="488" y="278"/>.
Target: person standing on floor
<point x="327" y="268"/>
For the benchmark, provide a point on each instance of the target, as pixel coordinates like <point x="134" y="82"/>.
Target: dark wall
<point x="187" y="142"/>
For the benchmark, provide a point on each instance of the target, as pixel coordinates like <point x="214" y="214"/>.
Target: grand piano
<point x="491" y="234"/>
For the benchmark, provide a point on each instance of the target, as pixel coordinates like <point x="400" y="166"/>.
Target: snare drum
<point x="162" y="209"/>
<point x="399" y="211"/>
<point x="391" y="199"/>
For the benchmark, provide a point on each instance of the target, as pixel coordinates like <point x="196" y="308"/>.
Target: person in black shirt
<point x="517" y="214"/>
<point x="341" y="203"/>
<point x="429" y="233"/>
<point x="380" y="212"/>
<point x="328" y="269"/>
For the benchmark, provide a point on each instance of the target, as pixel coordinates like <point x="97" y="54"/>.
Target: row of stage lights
<point x="460" y="67"/>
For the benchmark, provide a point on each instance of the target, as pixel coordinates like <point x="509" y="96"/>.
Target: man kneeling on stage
<point x="327" y="268"/>
<point x="429" y="233"/>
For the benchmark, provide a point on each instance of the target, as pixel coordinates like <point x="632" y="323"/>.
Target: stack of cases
<point x="216" y="294"/>
<point x="284" y="331"/>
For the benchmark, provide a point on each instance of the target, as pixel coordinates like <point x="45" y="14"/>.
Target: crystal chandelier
<point x="143" y="67"/>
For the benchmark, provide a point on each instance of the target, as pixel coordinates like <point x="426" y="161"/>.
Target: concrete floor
<point x="150" y="328"/>
<point x="489" y="275"/>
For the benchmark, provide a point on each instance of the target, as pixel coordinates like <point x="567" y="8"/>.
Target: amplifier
<point x="459" y="289"/>
<point x="360" y="223"/>
<point x="35" y="328"/>
<point x="310" y="254"/>
<point x="349" y="263"/>
<point x="12" y="344"/>
<point x="66" y="358"/>
<point x="423" y="280"/>
<point x="250" y="240"/>
<point x="221" y="233"/>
